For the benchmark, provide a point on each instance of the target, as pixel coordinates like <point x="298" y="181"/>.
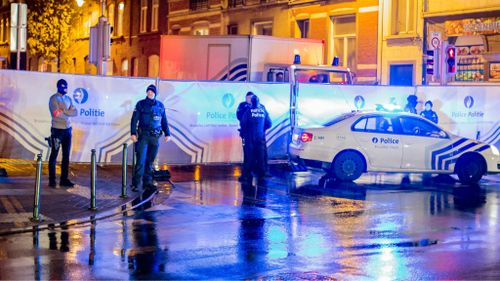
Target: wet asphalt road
<point x="374" y="229"/>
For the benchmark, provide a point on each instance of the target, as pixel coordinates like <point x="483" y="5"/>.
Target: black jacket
<point x="430" y="115"/>
<point x="149" y="115"/>
<point x="254" y="123"/>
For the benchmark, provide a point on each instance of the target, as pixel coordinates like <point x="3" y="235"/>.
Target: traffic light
<point x="430" y="62"/>
<point x="450" y="59"/>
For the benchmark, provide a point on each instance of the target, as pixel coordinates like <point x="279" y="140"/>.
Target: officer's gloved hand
<point x="167" y="138"/>
<point x="133" y="138"/>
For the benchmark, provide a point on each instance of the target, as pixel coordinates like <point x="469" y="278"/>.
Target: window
<point x="403" y="16"/>
<point x="119" y="28"/>
<point x="154" y="15"/>
<point x="344" y="40"/>
<point x="198" y="4"/>
<point x="419" y="127"/>
<point x="111" y="15"/>
<point x="263" y="28"/>
<point x="135" y="67"/>
<point x="304" y="28"/>
<point x="124" y="70"/>
<point x="153" y="65"/>
<point x="200" y="28"/>
<point x="374" y="124"/>
<point x="144" y="16"/>
<point x="232" y="29"/>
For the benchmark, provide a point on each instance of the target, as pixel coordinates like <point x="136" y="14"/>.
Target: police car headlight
<point x="494" y="150"/>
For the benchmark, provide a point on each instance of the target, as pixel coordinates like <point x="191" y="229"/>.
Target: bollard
<point x="92" y="180"/>
<point x="124" y="171"/>
<point x="38" y="185"/>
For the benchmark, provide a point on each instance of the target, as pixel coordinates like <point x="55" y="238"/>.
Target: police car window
<point x="360" y="125"/>
<point x="417" y="127"/>
<point x="378" y="124"/>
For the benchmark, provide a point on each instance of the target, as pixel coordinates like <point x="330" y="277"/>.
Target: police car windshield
<point x="339" y="118"/>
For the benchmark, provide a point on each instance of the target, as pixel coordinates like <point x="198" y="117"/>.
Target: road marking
<point x="17" y="204"/>
<point x="7" y="205"/>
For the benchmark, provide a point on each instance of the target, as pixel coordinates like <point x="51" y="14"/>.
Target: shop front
<point x="476" y="41"/>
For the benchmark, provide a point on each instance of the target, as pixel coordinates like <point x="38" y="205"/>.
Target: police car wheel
<point x="348" y="166"/>
<point x="470" y="169"/>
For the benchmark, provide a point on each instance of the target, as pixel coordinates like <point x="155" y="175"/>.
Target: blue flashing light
<point x="335" y="61"/>
<point x="296" y="59"/>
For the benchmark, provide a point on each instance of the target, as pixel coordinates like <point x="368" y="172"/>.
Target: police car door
<point x="375" y="134"/>
<point x="420" y="137"/>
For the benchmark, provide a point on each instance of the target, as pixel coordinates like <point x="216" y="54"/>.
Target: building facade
<point x="135" y="38"/>
<point x="348" y="28"/>
<point x="411" y="28"/>
<point x="382" y="41"/>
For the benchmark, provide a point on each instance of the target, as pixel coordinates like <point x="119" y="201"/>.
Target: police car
<point x="359" y="142"/>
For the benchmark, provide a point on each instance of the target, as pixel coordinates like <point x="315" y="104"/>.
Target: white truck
<point x="251" y="58"/>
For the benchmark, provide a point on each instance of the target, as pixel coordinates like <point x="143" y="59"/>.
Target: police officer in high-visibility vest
<point x="254" y="124"/>
<point x="149" y="121"/>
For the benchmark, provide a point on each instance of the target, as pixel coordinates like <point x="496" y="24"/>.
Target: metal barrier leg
<point x="92" y="180"/>
<point x="38" y="185"/>
<point x="124" y="171"/>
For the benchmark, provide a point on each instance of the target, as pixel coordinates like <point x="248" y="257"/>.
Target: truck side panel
<point x="275" y="50"/>
<point x="204" y="58"/>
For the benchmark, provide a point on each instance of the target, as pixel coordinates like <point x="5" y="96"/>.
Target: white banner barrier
<point x="472" y="112"/>
<point x="202" y="115"/>
<point x="466" y="111"/>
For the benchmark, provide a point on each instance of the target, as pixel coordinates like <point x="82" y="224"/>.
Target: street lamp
<point x="80" y="2"/>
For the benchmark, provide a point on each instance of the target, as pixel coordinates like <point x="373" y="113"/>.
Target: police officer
<point x="149" y="120"/>
<point x="61" y="109"/>
<point x="428" y="113"/>
<point x="411" y="106"/>
<point x="254" y="123"/>
<point x="243" y="106"/>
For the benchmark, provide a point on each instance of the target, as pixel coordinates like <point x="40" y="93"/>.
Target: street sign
<point x="435" y="40"/>
<point x="18" y="23"/>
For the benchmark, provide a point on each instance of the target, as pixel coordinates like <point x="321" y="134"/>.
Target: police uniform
<point x="430" y="115"/>
<point x="254" y="123"/>
<point x="149" y="121"/>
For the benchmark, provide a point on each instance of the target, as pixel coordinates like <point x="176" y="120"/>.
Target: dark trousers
<point x="59" y="138"/>
<point x="254" y="158"/>
<point x="146" y="149"/>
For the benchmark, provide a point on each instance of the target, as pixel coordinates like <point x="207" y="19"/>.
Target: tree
<point x="49" y="23"/>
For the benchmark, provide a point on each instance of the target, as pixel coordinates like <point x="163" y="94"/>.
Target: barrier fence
<point x="202" y="115"/>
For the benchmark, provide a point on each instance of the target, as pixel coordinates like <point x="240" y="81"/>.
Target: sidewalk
<point x="57" y="205"/>
<point x="69" y="205"/>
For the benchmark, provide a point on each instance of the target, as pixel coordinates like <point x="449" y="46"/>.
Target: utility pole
<point x="99" y="49"/>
